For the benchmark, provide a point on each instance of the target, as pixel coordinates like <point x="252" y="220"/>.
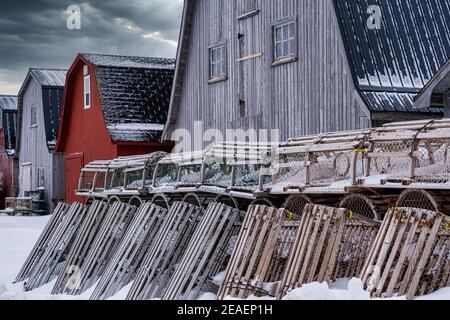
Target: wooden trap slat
<point x="43" y="241"/>
<point x="330" y="243"/>
<point x="206" y="253"/>
<point x="57" y="248"/>
<point x="166" y="251"/>
<point x="410" y="255"/>
<point x="259" y="252"/>
<point x="80" y="248"/>
<point x="104" y="245"/>
<point x="123" y="266"/>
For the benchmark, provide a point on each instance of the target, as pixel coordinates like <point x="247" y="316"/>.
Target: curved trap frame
<point x="227" y="200"/>
<point x="361" y="205"/>
<point x="419" y="199"/>
<point x="161" y="200"/>
<point x="295" y="204"/>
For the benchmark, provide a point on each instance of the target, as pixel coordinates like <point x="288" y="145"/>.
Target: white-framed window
<point x="33" y="116"/>
<point x="285" y="40"/>
<point x="218" y="63"/>
<point x="87" y="92"/>
<point x="41" y="177"/>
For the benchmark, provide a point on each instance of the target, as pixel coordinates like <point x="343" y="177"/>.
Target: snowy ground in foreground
<point x="18" y="235"/>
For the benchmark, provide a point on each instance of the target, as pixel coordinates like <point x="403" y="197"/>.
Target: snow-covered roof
<point x="106" y="60"/>
<point x="49" y="77"/>
<point x="135" y="95"/>
<point x="400" y="57"/>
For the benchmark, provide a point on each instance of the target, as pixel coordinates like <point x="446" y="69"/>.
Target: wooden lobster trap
<point x="139" y="171"/>
<point x="93" y="178"/>
<point x="166" y="251"/>
<point x="237" y="166"/>
<point x="59" y="214"/>
<point x="56" y="249"/>
<point x="82" y="244"/>
<point x="102" y="247"/>
<point x="207" y="253"/>
<point x="410" y="152"/>
<point x="139" y="237"/>
<point x="261" y="251"/>
<point x="318" y="161"/>
<point x="178" y="169"/>
<point x="330" y="243"/>
<point x="410" y="255"/>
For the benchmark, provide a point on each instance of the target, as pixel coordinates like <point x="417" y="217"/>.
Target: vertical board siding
<point x="312" y="95"/>
<point x="34" y="148"/>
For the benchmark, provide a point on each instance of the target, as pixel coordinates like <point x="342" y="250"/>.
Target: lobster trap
<point x="81" y="246"/>
<point x="258" y="259"/>
<point x="410" y="152"/>
<point x="166" y="252"/>
<point x="207" y="253"/>
<point x="365" y="206"/>
<point x="410" y="255"/>
<point x="318" y="161"/>
<point x="59" y="214"/>
<point x="123" y="266"/>
<point x="237" y="166"/>
<point x="103" y="246"/>
<point x="56" y="249"/>
<point x="330" y="243"/>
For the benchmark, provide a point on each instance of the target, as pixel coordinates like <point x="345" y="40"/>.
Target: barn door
<point x="250" y="63"/>
<point x="26" y="178"/>
<point x="74" y="164"/>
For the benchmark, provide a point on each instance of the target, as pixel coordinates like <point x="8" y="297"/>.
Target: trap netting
<point x="363" y="206"/>
<point x="330" y="243"/>
<point x="420" y="199"/>
<point x="260" y="254"/>
<point x="410" y="255"/>
<point x="414" y="152"/>
<point x="296" y="204"/>
<point x="319" y="161"/>
<point x="237" y="165"/>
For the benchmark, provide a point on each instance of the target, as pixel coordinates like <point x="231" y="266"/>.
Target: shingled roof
<point x="8" y="105"/>
<point x="135" y="94"/>
<point x="391" y="64"/>
<point x="52" y="83"/>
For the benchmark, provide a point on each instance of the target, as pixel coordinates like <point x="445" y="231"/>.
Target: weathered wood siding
<point x="33" y="149"/>
<point x="312" y="95"/>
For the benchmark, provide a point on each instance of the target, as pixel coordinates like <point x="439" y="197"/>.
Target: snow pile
<point x="323" y="291"/>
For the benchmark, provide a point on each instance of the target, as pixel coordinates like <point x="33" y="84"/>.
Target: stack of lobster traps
<point x="372" y="204"/>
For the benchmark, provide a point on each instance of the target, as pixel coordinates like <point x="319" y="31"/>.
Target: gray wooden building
<point x="305" y="66"/>
<point x="39" y="108"/>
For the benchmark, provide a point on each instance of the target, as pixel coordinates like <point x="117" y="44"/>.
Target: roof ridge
<point x="127" y="56"/>
<point x="47" y="69"/>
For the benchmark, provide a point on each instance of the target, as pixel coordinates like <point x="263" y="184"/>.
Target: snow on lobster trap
<point x="410" y="256"/>
<point x="237" y="166"/>
<point x="260" y="255"/>
<point x="318" y="162"/>
<point x="178" y="170"/>
<point x="329" y="244"/>
<point x="410" y="153"/>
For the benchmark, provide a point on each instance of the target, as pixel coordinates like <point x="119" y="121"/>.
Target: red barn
<point x="8" y="166"/>
<point x="113" y="106"/>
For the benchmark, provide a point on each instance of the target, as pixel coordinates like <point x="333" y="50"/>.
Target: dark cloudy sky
<point x="33" y="33"/>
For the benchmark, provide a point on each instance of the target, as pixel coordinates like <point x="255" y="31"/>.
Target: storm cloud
<point x="33" y="33"/>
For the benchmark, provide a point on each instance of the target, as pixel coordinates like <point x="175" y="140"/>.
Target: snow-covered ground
<point x="18" y="235"/>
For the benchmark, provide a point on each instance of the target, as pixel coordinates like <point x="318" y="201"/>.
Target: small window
<point x="217" y="63"/>
<point x="33" y="116"/>
<point x="41" y="177"/>
<point x="285" y="41"/>
<point x="87" y="92"/>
